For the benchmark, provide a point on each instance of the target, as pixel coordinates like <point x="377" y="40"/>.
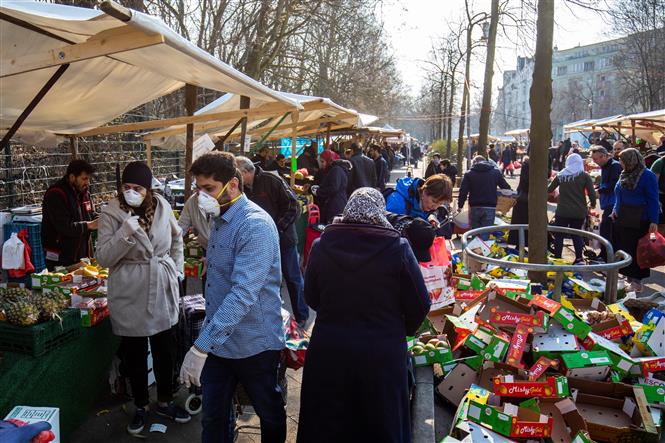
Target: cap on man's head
<point x="421" y="236"/>
<point x="436" y="154"/>
<point x="599" y="150"/>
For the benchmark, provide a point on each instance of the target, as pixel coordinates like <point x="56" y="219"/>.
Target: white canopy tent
<point x="100" y="66"/>
<point x="316" y="114"/>
<point x="647" y="125"/>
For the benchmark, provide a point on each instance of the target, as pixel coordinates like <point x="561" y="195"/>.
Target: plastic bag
<point x="435" y="274"/>
<point x="28" y="267"/>
<point x="651" y="251"/>
<point x="13" y="253"/>
<point x="297" y="341"/>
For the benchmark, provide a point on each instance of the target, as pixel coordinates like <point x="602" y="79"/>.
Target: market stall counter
<point x="71" y="377"/>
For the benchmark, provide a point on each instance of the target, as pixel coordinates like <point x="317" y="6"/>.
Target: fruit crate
<point x="41" y="338"/>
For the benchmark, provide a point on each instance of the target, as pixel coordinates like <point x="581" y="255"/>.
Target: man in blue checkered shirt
<point x="242" y="336"/>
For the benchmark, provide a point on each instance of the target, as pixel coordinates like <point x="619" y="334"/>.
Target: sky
<point x="412" y="26"/>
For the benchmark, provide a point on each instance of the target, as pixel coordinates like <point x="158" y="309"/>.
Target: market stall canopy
<point x="579" y="125"/>
<point x="315" y="112"/>
<point x="110" y="66"/>
<point x="647" y="125"/>
<point x="518" y="133"/>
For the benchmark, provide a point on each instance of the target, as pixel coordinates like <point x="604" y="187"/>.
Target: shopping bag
<point x="296" y="340"/>
<point x="517" y="164"/>
<point x="434" y="274"/>
<point x="28" y="267"/>
<point x="13" y="253"/>
<point x="651" y="251"/>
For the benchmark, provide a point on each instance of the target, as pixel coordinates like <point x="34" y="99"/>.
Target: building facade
<point x="585" y="84"/>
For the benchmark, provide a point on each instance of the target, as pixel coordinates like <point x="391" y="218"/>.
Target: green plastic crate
<point x="42" y="338"/>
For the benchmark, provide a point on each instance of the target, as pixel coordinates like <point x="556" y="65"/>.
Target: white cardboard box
<point x="33" y="414"/>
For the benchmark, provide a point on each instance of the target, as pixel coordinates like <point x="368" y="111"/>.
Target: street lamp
<point x="590" y="109"/>
<point x="486" y="30"/>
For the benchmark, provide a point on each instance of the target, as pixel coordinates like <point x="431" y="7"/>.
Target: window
<point x="589" y="66"/>
<point x="602" y="78"/>
<point x="562" y="70"/>
<point x="602" y="93"/>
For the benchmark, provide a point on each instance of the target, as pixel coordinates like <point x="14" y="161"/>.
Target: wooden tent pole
<point x="328" y="135"/>
<point x="190" y="107"/>
<point x="74" y="146"/>
<point x="294" y="136"/>
<point x="244" y="104"/>
<point x="632" y="127"/>
<point x="148" y="153"/>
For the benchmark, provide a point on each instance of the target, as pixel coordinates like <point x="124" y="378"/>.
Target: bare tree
<point x="640" y="61"/>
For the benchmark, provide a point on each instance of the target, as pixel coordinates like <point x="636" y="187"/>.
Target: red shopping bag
<point x="651" y="251"/>
<point x="312" y="231"/>
<point x="435" y="274"/>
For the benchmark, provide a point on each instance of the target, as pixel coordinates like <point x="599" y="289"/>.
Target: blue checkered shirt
<point x="243" y="304"/>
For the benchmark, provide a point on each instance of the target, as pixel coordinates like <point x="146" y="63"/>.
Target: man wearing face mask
<point x="68" y="217"/>
<point x="139" y="238"/>
<point x="242" y="335"/>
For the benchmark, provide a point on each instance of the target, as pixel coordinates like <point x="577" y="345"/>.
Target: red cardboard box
<point x="552" y="387"/>
<point x="517" y="345"/>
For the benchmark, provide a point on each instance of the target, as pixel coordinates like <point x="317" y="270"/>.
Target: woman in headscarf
<point x="366" y="286"/>
<point x="635" y="212"/>
<point x="574" y="186"/>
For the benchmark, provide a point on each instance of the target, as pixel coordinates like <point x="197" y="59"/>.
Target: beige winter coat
<point x="143" y="276"/>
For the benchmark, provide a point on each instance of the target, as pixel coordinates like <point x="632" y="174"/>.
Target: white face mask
<point x="133" y="198"/>
<point x="208" y="204"/>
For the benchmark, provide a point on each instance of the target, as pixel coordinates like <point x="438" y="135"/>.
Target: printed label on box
<point x="518" y="344"/>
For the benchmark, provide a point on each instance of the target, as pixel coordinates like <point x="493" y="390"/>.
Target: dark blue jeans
<point x="258" y="374"/>
<point x="294" y="281"/>
<point x="481" y="217"/>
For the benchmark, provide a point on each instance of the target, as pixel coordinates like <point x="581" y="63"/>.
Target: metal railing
<point x="613" y="261"/>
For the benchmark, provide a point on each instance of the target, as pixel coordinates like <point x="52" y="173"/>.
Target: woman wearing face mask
<point x="141" y="242"/>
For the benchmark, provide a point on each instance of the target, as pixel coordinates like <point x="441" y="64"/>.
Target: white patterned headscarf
<point x="366" y="206"/>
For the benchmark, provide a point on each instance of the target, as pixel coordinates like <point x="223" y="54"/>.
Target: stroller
<point x="192" y="315"/>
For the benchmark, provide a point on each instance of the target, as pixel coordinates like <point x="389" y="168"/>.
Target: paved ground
<point x="107" y="422"/>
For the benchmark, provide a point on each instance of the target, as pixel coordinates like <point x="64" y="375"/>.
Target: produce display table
<point x="70" y="377"/>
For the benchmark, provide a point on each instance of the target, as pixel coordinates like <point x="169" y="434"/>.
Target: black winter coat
<point x="368" y="291"/>
<point x="363" y="173"/>
<point x="275" y="197"/>
<point x="433" y="169"/>
<point x="331" y="195"/>
<point x="382" y="173"/>
<point x="65" y="234"/>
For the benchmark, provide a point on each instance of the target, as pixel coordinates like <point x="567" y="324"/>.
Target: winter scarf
<point x="633" y="168"/>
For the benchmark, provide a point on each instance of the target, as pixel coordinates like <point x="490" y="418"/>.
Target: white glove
<point x="192" y="365"/>
<point x="130" y="226"/>
<point x="315" y="189"/>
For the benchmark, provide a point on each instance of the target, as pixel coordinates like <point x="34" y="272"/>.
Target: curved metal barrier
<point x="613" y="261"/>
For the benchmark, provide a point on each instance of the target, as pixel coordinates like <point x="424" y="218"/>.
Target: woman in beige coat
<point x="141" y="242"/>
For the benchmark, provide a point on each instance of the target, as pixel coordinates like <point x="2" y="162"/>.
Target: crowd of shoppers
<point x="362" y="278"/>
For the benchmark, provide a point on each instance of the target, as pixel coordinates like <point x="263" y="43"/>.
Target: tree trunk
<point x="465" y="97"/>
<point x="449" y="132"/>
<point x="540" y="100"/>
<point x="486" y="109"/>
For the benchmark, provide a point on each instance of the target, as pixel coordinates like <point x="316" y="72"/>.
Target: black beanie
<point x="137" y="173"/>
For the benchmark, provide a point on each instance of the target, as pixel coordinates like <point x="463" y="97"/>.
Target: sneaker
<point x="138" y="422"/>
<point x="175" y="413"/>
